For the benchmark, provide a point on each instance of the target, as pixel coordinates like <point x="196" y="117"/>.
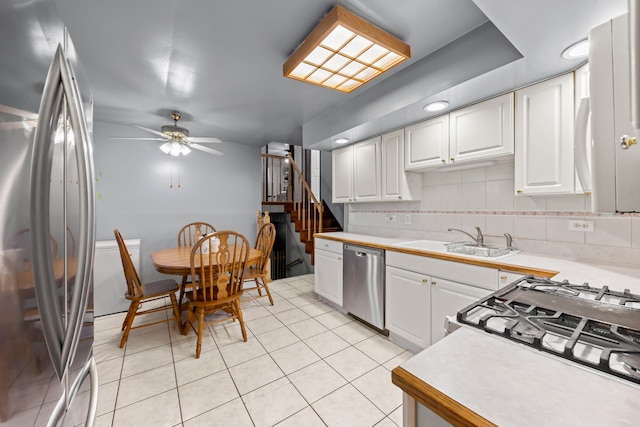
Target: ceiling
<point x="220" y="62"/>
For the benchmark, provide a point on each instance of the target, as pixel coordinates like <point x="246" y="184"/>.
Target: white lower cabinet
<point x="407" y="300"/>
<point x="328" y="270"/>
<point x="418" y="298"/>
<point x="447" y="298"/>
<point x="506" y="278"/>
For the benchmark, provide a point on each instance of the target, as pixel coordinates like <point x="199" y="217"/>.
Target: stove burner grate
<point x="565" y="320"/>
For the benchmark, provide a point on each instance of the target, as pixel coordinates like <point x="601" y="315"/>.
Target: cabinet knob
<point x="627" y="141"/>
<point x="518" y="191"/>
<point x="426" y="281"/>
<point x="503" y="277"/>
<point x="433" y="282"/>
<point x="453" y="160"/>
<point x="444" y="161"/>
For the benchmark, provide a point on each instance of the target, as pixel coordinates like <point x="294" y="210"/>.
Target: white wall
<point x="134" y="179"/>
<point x="484" y="197"/>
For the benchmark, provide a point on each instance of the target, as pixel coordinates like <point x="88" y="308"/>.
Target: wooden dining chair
<point x="189" y="235"/>
<point x="258" y="272"/>
<point x="139" y="293"/>
<point x="217" y="281"/>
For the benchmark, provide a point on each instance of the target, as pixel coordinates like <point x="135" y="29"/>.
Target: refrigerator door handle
<point x="580" y="145"/>
<point x="43" y="277"/>
<point x="86" y="241"/>
<point x="61" y="336"/>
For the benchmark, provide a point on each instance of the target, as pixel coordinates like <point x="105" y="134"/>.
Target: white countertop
<point x="510" y="384"/>
<point x="617" y="277"/>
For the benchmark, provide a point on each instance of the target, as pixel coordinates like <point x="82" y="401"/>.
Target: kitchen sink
<point x="464" y="248"/>
<point x="459" y="248"/>
<point x="424" y="245"/>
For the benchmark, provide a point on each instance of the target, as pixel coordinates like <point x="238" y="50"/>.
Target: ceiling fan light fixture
<point x="174" y="148"/>
<point x="344" y="51"/>
<point x="174" y="132"/>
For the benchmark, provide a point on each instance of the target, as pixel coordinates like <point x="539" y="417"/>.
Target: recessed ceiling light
<point x="436" y="106"/>
<point x="341" y="140"/>
<point x="577" y="50"/>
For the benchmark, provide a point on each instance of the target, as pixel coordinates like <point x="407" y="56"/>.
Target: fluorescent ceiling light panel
<point x="344" y="52"/>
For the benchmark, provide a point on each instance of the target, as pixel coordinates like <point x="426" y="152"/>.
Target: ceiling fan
<point x="177" y="139"/>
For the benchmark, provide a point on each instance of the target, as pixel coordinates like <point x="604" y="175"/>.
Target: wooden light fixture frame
<point x="338" y="15"/>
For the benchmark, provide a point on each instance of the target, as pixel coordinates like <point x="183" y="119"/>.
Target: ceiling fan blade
<point x="133" y="137"/>
<point x="151" y="130"/>
<point x="27" y="124"/>
<point x="206" y="149"/>
<point x="203" y="139"/>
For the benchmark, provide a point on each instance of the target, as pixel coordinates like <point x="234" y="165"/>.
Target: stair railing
<point x="283" y="182"/>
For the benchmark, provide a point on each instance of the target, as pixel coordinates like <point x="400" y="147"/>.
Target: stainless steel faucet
<point x="479" y="239"/>
<point x="509" y="240"/>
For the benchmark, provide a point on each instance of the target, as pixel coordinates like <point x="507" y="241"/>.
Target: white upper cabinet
<point x="396" y="183"/>
<point x="357" y="172"/>
<point x="367" y="159"/>
<point x="544" y="162"/>
<point x="482" y="130"/>
<point x="427" y="143"/>
<point x="342" y="175"/>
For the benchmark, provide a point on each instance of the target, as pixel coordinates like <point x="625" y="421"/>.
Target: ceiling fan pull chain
<point x="171" y="169"/>
<point x="179" y="170"/>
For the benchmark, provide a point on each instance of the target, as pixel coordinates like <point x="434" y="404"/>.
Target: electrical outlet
<point x="407" y="219"/>
<point x="587" y="226"/>
<point x="385" y="218"/>
<point x="352" y="216"/>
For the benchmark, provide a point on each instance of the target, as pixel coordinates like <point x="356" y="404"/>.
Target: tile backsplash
<point x="484" y="197"/>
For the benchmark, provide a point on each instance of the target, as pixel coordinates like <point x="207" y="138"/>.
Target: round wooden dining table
<point x="177" y="261"/>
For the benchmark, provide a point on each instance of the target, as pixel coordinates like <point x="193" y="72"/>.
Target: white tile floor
<point x="304" y="364"/>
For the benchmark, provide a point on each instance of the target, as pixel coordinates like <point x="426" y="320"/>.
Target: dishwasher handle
<point x="362" y="251"/>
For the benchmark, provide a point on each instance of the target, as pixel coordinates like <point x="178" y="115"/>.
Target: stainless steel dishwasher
<point x="363" y="283"/>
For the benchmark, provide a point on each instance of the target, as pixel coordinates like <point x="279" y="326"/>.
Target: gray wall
<point x="326" y="191"/>
<point x="133" y="183"/>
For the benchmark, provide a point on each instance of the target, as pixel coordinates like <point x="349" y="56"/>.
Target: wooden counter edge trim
<point x="444" y="406"/>
<point x="444" y="256"/>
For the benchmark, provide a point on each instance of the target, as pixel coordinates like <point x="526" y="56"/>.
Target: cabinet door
<point x="447" y="298"/>
<point x="544" y="161"/>
<point x="506" y="278"/>
<point x="342" y="175"/>
<point x="407" y="302"/>
<point x="328" y="275"/>
<point x="394" y="180"/>
<point x="427" y="143"/>
<point x="482" y="130"/>
<point x="581" y="85"/>
<point x="367" y="165"/>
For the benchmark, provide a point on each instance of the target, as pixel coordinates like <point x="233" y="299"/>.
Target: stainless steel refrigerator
<point x="47" y="223"/>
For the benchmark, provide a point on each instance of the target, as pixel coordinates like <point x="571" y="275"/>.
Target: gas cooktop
<point x="596" y="327"/>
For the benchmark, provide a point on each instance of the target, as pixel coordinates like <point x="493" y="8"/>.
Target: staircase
<point x="308" y="214"/>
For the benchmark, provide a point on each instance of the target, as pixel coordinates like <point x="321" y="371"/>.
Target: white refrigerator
<point x="47" y="223"/>
<point x="615" y="154"/>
